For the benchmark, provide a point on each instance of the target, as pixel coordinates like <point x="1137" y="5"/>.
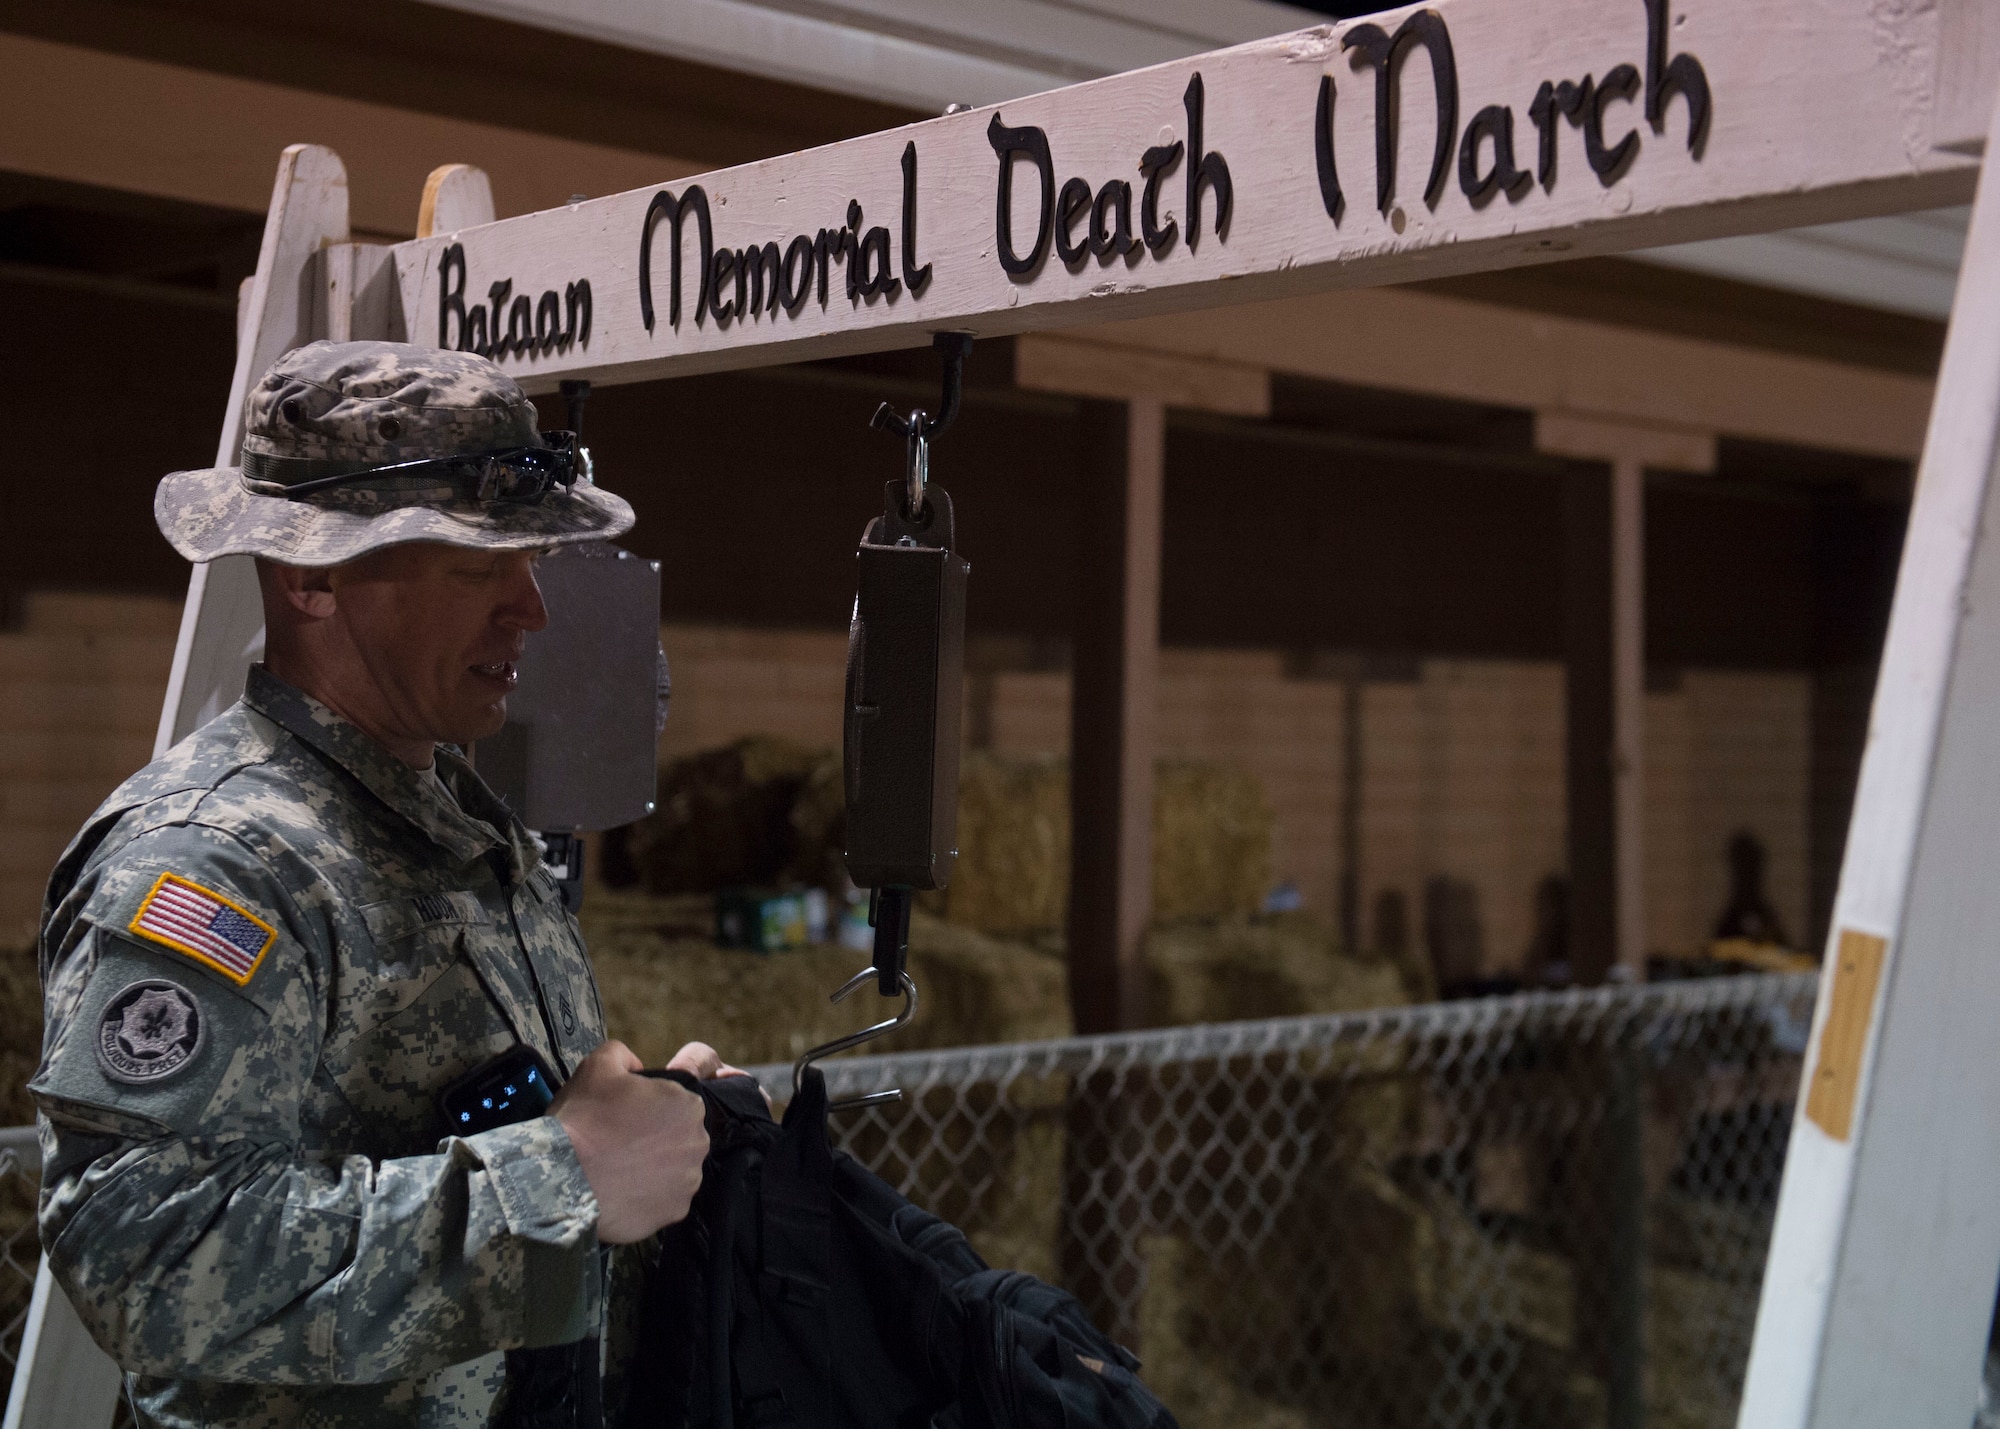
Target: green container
<point x="765" y="921"/>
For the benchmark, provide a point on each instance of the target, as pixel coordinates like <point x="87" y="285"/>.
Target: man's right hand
<point x="639" y="1139"/>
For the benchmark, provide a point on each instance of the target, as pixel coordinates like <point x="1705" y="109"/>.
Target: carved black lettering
<point x="1153" y="165"/>
<point x="664" y="205"/>
<point x="1204" y="170"/>
<point x="1113" y="238"/>
<point x="474" y="339"/>
<point x="876" y="279"/>
<point x="520" y="325"/>
<point x="914" y="278"/>
<point x="1553" y="102"/>
<point x="1072" y="204"/>
<point x="850" y="247"/>
<point x="722" y="268"/>
<point x="1682" y="75"/>
<point x="1329" y="174"/>
<point x="796" y="275"/>
<point x="1384" y="53"/>
<point x="548" y="322"/>
<point x="764" y="269"/>
<point x="1032" y="144"/>
<point x="1496" y="123"/>
<point x="576" y="296"/>
<point x="1610" y="164"/>
<point x="451" y="295"/>
<point x="824" y="244"/>
<point x="497" y="293"/>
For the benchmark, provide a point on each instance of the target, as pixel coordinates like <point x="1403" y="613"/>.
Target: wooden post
<point x="1589" y="725"/>
<point x="1605" y="642"/>
<point x="1116" y="650"/>
<point x="1114" y="680"/>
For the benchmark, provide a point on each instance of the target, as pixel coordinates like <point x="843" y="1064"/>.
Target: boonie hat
<point x="352" y="446"/>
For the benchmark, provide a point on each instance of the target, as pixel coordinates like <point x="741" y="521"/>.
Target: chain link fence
<point x="20" y="1252"/>
<point x="1548" y="1210"/>
<point x="1544" y="1211"/>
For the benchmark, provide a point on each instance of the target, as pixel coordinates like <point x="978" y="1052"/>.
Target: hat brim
<point x="208" y="513"/>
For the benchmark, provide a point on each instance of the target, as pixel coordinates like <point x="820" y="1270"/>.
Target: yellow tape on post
<point x="1857" y="973"/>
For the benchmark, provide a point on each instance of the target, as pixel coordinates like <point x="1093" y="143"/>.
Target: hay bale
<point x="664" y="982"/>
<point x="819" y="827"/>
<point x="1198" y="1384"/>
<point x="1211" y="843"/>
<point x="1012" y="872"/>
<point x="1284" y="965"/>
<point x="724" y="817"/>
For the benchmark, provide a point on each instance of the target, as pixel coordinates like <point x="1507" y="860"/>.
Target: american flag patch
<point x="206" y="926"/>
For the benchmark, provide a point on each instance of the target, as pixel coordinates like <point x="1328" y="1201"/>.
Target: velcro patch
<point x="448" y="908"/>
<point x="205" y="926"/>
<point x="149" y="1032"/>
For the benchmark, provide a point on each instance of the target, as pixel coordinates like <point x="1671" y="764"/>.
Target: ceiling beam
<point x="1482" y="352"/>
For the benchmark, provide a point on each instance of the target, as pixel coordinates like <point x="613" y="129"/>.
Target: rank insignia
<point x="205" y="926"/>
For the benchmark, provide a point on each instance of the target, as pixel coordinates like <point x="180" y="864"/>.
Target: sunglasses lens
<point x="524" y="475"/>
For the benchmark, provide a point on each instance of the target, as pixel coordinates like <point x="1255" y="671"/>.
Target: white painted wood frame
<point x="222" y="626"/>
<point x="1880" y="1283"/>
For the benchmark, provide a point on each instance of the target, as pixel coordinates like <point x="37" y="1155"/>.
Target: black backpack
<point x="803" y="1292"/>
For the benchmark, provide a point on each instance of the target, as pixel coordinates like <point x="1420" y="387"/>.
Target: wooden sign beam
<point x="1428" y="141"/>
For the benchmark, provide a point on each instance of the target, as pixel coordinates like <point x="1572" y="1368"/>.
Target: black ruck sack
<point x="803" y="1292"/>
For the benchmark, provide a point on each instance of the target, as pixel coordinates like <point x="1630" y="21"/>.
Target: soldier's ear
<point x="308" y="590"/>
<point x="313" y="595"/>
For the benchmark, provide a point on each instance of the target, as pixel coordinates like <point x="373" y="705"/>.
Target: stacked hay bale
<point x="724" y="817"/>
<point x="1211" y="844"/>
<point x="1011" y="878"/>
<point x="665" y="982"/>
<point x="1281" y="965"/>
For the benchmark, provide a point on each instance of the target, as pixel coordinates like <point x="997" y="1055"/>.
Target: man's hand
<point x="640" y="1140"/>
<point x="703" y="1063"/>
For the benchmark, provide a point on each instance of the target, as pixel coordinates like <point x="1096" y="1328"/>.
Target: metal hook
<point x="855" y="1039"/>
<point x="919" y="429"/>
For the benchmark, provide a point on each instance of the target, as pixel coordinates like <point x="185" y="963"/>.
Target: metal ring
<point x="919" y="464"/>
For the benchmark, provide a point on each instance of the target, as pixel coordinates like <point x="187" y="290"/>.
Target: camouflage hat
<point x="342" y="444"/>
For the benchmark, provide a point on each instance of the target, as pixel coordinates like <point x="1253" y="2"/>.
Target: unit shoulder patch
<point x="149" y="1032"/>
<point x="200" y="923"/>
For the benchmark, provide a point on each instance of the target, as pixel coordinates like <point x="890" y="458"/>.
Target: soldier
<point x="268" y="953"/>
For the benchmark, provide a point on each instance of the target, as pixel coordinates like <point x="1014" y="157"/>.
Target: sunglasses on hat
<point x="516" y="475"/>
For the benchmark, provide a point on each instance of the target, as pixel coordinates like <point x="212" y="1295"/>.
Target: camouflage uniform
<point x="263" y="958"/>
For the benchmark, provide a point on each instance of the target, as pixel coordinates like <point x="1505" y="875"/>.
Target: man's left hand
<point x="703" y="1063"/>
